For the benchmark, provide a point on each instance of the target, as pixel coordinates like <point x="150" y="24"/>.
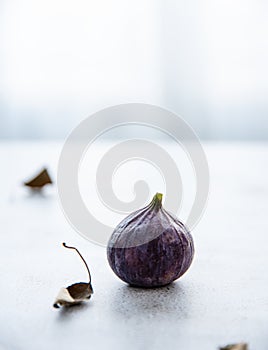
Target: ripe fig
<point x="150" y="247"/>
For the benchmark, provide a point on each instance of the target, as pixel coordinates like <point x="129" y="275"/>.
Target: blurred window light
<point x="63" y="60"/>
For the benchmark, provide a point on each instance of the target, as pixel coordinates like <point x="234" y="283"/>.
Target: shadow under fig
<point x="171" y="301"/>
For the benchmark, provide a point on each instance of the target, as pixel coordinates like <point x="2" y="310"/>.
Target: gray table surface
<point x="222" y="299"/>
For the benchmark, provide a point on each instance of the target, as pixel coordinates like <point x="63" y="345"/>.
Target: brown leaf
<point x="80" y="290"/>
<point x="77" y="292"/>
<point x="39" y="181"/>
<point x="240" y="346"/>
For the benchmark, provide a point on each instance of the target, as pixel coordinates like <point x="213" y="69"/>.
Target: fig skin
<point x="150" y="247"/>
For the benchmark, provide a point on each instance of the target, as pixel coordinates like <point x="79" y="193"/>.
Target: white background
<point x="60" y="61"/>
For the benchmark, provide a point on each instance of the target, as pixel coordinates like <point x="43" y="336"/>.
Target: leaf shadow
<point x="67" y="312"/>
<point x="38" y="194"/>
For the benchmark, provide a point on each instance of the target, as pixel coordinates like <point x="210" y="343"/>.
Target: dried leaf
<point x="240" y="346"/>
<point x="39" y="181"/>
<point x="77" y="292"/>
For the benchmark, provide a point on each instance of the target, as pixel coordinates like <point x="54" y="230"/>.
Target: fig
<point x="150" y="247"/>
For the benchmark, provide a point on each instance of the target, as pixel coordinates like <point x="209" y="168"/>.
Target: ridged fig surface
<point x="150" y="247"/>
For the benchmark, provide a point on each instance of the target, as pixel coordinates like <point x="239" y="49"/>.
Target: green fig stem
<point x="84" y="261"/>
<point x="157" y="200"/>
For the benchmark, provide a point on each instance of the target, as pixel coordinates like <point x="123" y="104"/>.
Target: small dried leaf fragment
<point x="40" y="180"/>
<point x="77" y="292"/>
<point x="240" y="346"/>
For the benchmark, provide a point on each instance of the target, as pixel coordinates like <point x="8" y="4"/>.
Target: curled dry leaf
<point x="39" y="181"/>
<point x="77" y="292"/>
<point x="240" y="346"/>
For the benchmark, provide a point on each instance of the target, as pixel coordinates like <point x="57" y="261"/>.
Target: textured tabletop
<point x="222" y="299"/>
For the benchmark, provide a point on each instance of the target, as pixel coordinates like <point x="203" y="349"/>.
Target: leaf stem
<point x="84" y="261"/>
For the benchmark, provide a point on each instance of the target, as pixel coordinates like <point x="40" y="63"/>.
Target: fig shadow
<point x="173" y="301"/>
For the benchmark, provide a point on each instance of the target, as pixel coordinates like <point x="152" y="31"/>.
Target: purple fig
<point x="150" y="247"/>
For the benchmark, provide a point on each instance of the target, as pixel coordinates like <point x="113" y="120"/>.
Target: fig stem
<point x="159" y="197"/>
<point x="157" y="200"/>
<point x="84" y="261"/>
